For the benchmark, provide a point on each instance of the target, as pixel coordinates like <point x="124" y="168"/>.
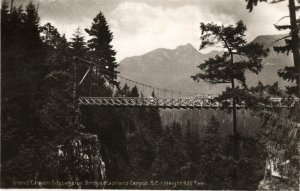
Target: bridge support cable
<point x="166" y="97"/>
<point x="146" y="87"/>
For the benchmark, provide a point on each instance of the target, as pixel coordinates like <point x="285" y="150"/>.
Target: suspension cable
<point x="172" y="92"/>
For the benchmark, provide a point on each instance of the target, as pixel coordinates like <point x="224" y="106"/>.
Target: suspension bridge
<point x="167" y="98"/>
<point x="177" y="103"/>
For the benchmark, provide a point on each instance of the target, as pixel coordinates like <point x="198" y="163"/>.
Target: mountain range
<point x="173" y="68"/>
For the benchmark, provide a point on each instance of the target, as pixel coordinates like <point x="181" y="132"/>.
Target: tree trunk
<point x="296" y="56"/>
<point x="295" y="41"/>
<point x="235" y="139"/>
<point x="11" y="6"/>
<point x="91" y="81"/>
<point x="235" y="134"/>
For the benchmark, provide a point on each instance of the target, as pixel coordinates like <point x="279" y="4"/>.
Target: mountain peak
<point x="186" y="48"/>
<point x="172" y="68"/>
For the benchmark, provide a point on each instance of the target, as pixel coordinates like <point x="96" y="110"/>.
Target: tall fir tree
<point x="58" y="109"/>
<point x="290" y="73"/>
<point x="230" y="69"/>
<point x="134" y="92"/>
<point x="79" y="49"/>
<point x="213" y="126"/>
<point x="101" y="49"/>
<point x="78" y="44"/>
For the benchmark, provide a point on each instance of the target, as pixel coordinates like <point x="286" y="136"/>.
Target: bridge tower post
<point x="75" y="94"/>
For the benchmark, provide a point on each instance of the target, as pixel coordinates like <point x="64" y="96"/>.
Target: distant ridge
<point x="172" y="68"/>
<point x="270" y="40"/>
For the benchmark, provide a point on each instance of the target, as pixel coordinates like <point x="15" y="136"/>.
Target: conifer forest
<point x="74" y="116"/>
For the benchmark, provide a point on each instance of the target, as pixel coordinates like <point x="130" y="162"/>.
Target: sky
<point x="140" y="26"/>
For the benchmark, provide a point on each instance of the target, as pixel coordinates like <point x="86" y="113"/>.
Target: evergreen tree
<point x="229" y="69"/>
<point x="161" y="167"/>
<point x="78" y="45"/>
<point x="57" y="113"/>
<point x="22" y="94"/>
<point x="125" y="91"/>
<point x="176" y="131"/>
<point x="108" y="129"/>
<point x="289" y="73"/>
<point x="276" y="137"/>
<point x="101" y="49"/>
<point x="192" y="143"/>
<point x="79" y="49"/>
<point x="5" y="26"/>
<point x="213" y="126"/>
<point x="292" y="44"/>
<point x="58" y="107"/>
<point x="134" y="92"/>
<point x="252" y="3"/>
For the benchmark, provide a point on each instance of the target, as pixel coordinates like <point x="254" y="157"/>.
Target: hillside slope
<point x="172" y="68"/>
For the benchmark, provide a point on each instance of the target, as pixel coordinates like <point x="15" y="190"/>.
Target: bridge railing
<point x="199" y="102"/>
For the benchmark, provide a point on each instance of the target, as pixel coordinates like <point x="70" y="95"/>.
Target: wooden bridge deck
<point x="177" y="103"/>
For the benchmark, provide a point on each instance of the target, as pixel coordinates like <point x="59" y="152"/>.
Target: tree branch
<point x="282" y="18"/>
<point x="276" y="1"/>
<point x="282" y="38"/>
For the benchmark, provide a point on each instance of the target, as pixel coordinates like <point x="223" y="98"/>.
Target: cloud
<point x="70" y="11"/>
<point x="140" y="26"/>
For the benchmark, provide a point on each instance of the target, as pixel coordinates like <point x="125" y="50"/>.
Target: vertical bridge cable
<point x="147" y="89"/>
<point x="98" y="73"/>
<point x="132" y="82"/>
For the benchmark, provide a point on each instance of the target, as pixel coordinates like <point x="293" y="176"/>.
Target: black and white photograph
<point x="150" y="94"/>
